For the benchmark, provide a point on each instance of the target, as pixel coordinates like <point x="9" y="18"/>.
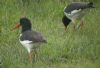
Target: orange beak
<point x="17" y="26"/>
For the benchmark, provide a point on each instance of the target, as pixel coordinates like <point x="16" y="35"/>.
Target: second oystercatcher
<point x="75" y="11"/>
<point x="28" y="38"/>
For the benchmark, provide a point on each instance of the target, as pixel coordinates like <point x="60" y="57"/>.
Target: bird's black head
<point x="25" y="23"/>
<point x="66" y="21"/>
<point x="90" y="5"/>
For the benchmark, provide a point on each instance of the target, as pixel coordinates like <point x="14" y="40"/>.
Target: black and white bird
<point x="28" y="38"/>
<point x="75" y="11"/>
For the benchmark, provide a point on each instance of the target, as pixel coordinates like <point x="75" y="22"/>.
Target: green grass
<point x="78" y="49"/>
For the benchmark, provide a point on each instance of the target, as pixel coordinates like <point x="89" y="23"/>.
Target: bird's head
<point x="24" y="23"/>
<point x="66" y="21"/>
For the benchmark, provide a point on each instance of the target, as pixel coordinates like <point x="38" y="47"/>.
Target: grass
<point x="78" y="49"/>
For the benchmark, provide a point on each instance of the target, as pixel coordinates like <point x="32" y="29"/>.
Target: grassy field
<point x="71" y="49"/>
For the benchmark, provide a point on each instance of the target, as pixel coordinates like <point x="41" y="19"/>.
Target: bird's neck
<point x="25" y="29"/>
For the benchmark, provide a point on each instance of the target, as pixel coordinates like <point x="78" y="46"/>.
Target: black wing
<point x="75" y="6"/>
<point x="32" y="36"/>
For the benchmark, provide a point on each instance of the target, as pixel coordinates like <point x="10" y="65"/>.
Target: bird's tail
<point x="90" y="5"/>
<point x="45" y="41"/>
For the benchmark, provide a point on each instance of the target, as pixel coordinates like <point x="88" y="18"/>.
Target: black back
<point x="32" y="36"/>
<point x="78" y="5"/>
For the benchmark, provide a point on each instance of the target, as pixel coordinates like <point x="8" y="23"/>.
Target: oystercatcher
<point x="75" y="11"/>
<point x="28" y="38"/>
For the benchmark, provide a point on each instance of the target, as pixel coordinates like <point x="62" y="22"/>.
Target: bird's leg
<point x="30" y="57"/>
<point x="35" y="54"/>
<point x="65" y="28"/>
<point x="80" y="25"/>
<point x="73" y="22"/>
<point x="74" y="25"/>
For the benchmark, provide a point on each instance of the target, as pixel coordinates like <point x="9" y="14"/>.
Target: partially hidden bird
<point x="76" y="11"/>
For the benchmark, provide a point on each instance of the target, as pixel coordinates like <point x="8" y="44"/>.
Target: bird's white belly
<point x="27" y="44"/>
<point x="75" y="15"/>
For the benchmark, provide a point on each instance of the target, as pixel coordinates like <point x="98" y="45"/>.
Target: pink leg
<point x="30" y="57"/>
<point x="81" y="25"/>
<point x="74" y="28"/>
<point x="65" y="28"/>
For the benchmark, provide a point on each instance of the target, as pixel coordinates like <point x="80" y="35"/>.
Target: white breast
<point x="27" y="44"/>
